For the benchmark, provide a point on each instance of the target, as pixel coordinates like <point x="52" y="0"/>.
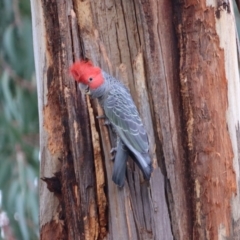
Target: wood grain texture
<point x="118" y="50"/>
<point x="79" y="30"/>
<point x="170" y="55"/>
<point x="204" y="87"/>
<point x="225" y="26"/>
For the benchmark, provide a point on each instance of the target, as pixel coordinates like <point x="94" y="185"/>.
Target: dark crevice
<point x="119" y="49"/>
<point x="170" y="205"/>
<point x="81" y="42"/>
<point x="97" y="123"/>
<point x="126" y="31"/>
<point x="71" y="36"/>
<point x="187" y="154"/>
<point x="135" y="16"/>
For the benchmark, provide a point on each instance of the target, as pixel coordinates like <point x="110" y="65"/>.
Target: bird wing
<point x="122" y="113"/>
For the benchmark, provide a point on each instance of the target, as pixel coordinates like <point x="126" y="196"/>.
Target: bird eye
<point x="90" y="79"/>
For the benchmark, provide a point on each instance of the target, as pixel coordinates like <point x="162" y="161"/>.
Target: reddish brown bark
<point x="169" y="55"/>
<point x="204" y="93"/>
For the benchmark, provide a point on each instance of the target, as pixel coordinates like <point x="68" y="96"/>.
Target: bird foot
<point x="106" y="122"/>
<point x="113" y="153"/>
<point x="101" y="117"/>
<point x="113" y="150"/>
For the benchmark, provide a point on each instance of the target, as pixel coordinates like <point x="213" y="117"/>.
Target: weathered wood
<point x="121" y="45"/>
<point x="208" y="73"/>
<point x="181" y="68"/>
<point x="65" y="143"/>
<point x="160" y="48"/>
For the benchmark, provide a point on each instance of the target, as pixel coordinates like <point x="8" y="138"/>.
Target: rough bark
<point x="208" y="73"/>
<point x="176" y="64"/>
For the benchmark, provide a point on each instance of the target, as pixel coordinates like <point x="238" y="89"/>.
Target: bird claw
<point x="106" y="122"/>
<point x="101" y="117"/>
<point x="113" y="150"/>
<point x="113" y="153"/>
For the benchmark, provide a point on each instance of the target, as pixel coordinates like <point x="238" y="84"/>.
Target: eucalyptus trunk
<point x="179" y="60"/>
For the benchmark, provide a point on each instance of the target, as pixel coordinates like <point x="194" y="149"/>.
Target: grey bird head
<point x="100" y="91"/>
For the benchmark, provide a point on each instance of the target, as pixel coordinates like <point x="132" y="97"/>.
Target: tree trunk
<point x="179" y="60"/>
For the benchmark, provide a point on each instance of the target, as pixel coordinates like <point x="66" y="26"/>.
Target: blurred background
<point x="19" y="137"/>
<point x="19" y="151"/>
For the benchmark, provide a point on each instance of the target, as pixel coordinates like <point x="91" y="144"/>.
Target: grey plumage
<point x="120" y="164"/>
<point x="122" y="113"/>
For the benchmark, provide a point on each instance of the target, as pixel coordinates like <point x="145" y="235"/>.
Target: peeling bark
<point x="172" y="57"/>
<point x="205" y="103"/>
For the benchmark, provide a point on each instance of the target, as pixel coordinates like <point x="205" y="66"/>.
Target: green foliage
<point x="18" y="121"/>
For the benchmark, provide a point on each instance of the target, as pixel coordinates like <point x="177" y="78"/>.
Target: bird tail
<point x="120" y="164"/>
<point x="144" y="162"/>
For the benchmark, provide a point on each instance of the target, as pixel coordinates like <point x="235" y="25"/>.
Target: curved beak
<point x="87" y="90"/>
<point x="84" y="88"/>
